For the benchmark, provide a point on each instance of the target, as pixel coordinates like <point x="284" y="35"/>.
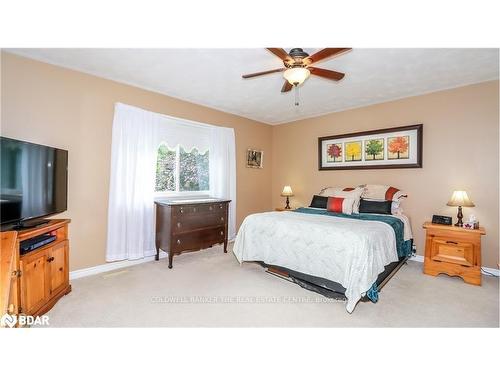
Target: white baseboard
<point x="84" y="272"/>
<point x="420" y="258"/>
<point x="106" y="267"/>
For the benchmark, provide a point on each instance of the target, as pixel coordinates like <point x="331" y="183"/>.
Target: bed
<point x="341" y="256"/>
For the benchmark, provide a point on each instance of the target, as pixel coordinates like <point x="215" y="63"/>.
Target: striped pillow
<point x="382" y="193"/>
<point x="340" y="205"/>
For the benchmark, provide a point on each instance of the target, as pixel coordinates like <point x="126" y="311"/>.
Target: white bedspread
<point x="348" y="251"/>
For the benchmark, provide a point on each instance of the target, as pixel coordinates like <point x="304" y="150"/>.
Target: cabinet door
<point x="58" y="263"/>
<point x="34" y="281"/>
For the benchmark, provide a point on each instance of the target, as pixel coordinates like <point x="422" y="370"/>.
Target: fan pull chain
<point x="297" y="95"/>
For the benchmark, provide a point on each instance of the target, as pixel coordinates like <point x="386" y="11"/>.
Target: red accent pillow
<point x="335" y="204"/>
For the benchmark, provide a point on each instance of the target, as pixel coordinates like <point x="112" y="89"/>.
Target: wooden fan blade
<point x="262" y="73"/>
<point x="280" y="52"/>
<point x="325" y="73"/>
<point x="287" y="86"/>
<point x="324" y="53"/>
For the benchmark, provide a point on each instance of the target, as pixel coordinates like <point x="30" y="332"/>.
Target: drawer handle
<point x="221" y="233"/>
<point x="178" y="242"/>
<point x="194" y="209"/>
<point x="181" y="210"/>
<point x="220" y="206"/>
<point x="222" y="218"/>
<point x="50" y="259"/>
<point x="453" y="242"/>
<point x="179" y="225"/>
<point x="210" y="208"/>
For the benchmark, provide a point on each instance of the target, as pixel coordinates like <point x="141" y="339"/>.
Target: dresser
<point x="190" y="225"/>
<point x="454" y="251"/>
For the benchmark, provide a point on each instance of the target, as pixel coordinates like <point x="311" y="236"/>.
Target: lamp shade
<point x="287" y="191"/>
<point x="460" y="198"/>
<point x="296" y="75"/>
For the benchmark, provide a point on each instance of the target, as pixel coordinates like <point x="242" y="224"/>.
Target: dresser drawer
<point x="451" y="251"/>
<point x="198" y="239"/>
<point x="197" y="209"/>
<point x="183" y="223"/>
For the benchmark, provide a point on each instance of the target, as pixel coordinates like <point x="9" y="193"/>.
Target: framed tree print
<point x="399" y="147"/>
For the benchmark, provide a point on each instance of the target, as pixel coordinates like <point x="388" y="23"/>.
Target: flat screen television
<point x="33" y="181"/>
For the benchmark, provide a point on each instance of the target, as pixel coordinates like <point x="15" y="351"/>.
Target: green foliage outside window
<point x="193" y="169"/>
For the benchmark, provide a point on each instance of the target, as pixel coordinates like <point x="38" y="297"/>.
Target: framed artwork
<point x="254" y="158"/>
<point x="399" y="147"/>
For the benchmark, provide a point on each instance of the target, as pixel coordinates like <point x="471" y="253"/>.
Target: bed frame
<point x="328" y="288"/>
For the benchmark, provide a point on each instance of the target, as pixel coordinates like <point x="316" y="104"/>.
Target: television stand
<point x="29" y="224"/>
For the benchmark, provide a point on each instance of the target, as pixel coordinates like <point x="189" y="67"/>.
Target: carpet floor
<point x="210" y="289"/>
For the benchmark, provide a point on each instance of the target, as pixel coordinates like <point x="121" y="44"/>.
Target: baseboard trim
<point x="420" y="259"/>
<point x="84" y="272"/>
<point x="111" y="266"/>
<point x="106" y="267"/>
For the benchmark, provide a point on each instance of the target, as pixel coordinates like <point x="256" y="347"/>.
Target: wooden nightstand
<point x="454" y="251"/>
<point x="283" y="209"/>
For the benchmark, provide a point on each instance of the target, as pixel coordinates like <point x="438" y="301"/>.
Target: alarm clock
<point x="443" y="220"/>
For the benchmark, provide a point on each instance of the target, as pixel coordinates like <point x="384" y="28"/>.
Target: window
<point x="180" y="171"/>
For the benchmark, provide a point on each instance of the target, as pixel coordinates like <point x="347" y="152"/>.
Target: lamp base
<point x="459" y="217"/>
<point x="287" y="207"/>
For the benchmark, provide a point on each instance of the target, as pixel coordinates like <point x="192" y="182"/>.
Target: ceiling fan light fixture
<point x="296" y="76"/>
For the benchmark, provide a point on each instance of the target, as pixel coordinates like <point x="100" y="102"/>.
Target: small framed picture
<point x="254" y="158"/>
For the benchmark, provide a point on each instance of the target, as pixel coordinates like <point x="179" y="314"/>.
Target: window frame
<point x="178" y="193"/>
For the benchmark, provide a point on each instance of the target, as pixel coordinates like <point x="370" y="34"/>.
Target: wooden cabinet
<point x="454" y="251"/>
<point x="190" y="225"/>
<point x="44" y="271"/>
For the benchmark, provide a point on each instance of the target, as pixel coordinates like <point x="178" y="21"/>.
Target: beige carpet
<point x="210" y="289"/>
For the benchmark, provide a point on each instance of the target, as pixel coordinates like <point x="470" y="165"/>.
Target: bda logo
<point x="8" y="320"/>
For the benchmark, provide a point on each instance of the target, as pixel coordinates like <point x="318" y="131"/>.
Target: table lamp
<point x="287" y="192"/>
<point x="460" y="199"/>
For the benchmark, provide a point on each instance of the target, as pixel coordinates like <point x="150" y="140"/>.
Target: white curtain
<point x="131" y="192"/>
<point x="136" y="136"/>
<point x="223" y="171"/>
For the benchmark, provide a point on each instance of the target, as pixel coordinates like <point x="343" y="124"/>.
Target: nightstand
<point x="454" y="251"/>
<point x="283" y="209"/>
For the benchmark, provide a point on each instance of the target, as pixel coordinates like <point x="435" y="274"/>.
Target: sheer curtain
<point x="136" y="137"/>
<point x="223" y="171"/>
<point x="131" y="191"/>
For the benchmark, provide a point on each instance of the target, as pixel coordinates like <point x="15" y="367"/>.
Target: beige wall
<point x="460" y="152"/>
<point x="50" y="105"/>
<point x="46" y="104"/>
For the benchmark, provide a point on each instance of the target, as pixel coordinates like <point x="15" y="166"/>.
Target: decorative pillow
<point x="382" y="193"/>
<point x="340" y="205"/>
<point x="349" y="192"/>
<point x="375" y="207"/>
<point x="318" y="201"/>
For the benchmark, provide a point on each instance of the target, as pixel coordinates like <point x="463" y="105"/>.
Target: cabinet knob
<point x="222" y="218"/>
<point x="179" y="225"/>
<point x="221" y="233"/>
<point x="181" y="210"/>
<point x="194" y="209"/>
<point x="178" y="242"/>
<point x="50" y="259"/>
<point x="210" y="208"/>
<point x="11" y="309"/>
<point x="60" y="269"/>
<point x="220" y="206"/>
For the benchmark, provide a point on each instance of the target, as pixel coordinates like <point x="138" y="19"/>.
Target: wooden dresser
<point x="189" y="225"/>
<point x="9" y="264"/>
<point x="454" y="251"/>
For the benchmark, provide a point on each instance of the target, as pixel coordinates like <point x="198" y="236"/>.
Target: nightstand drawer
<point x="450" y="251"/>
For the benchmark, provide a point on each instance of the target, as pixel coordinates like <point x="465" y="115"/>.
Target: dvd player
<point x="34" y="243"/>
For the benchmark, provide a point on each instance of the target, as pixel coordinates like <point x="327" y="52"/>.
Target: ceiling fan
<point x="298" y="66"/>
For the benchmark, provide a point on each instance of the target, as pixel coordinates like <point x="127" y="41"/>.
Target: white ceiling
<point x="212" y="77"/>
